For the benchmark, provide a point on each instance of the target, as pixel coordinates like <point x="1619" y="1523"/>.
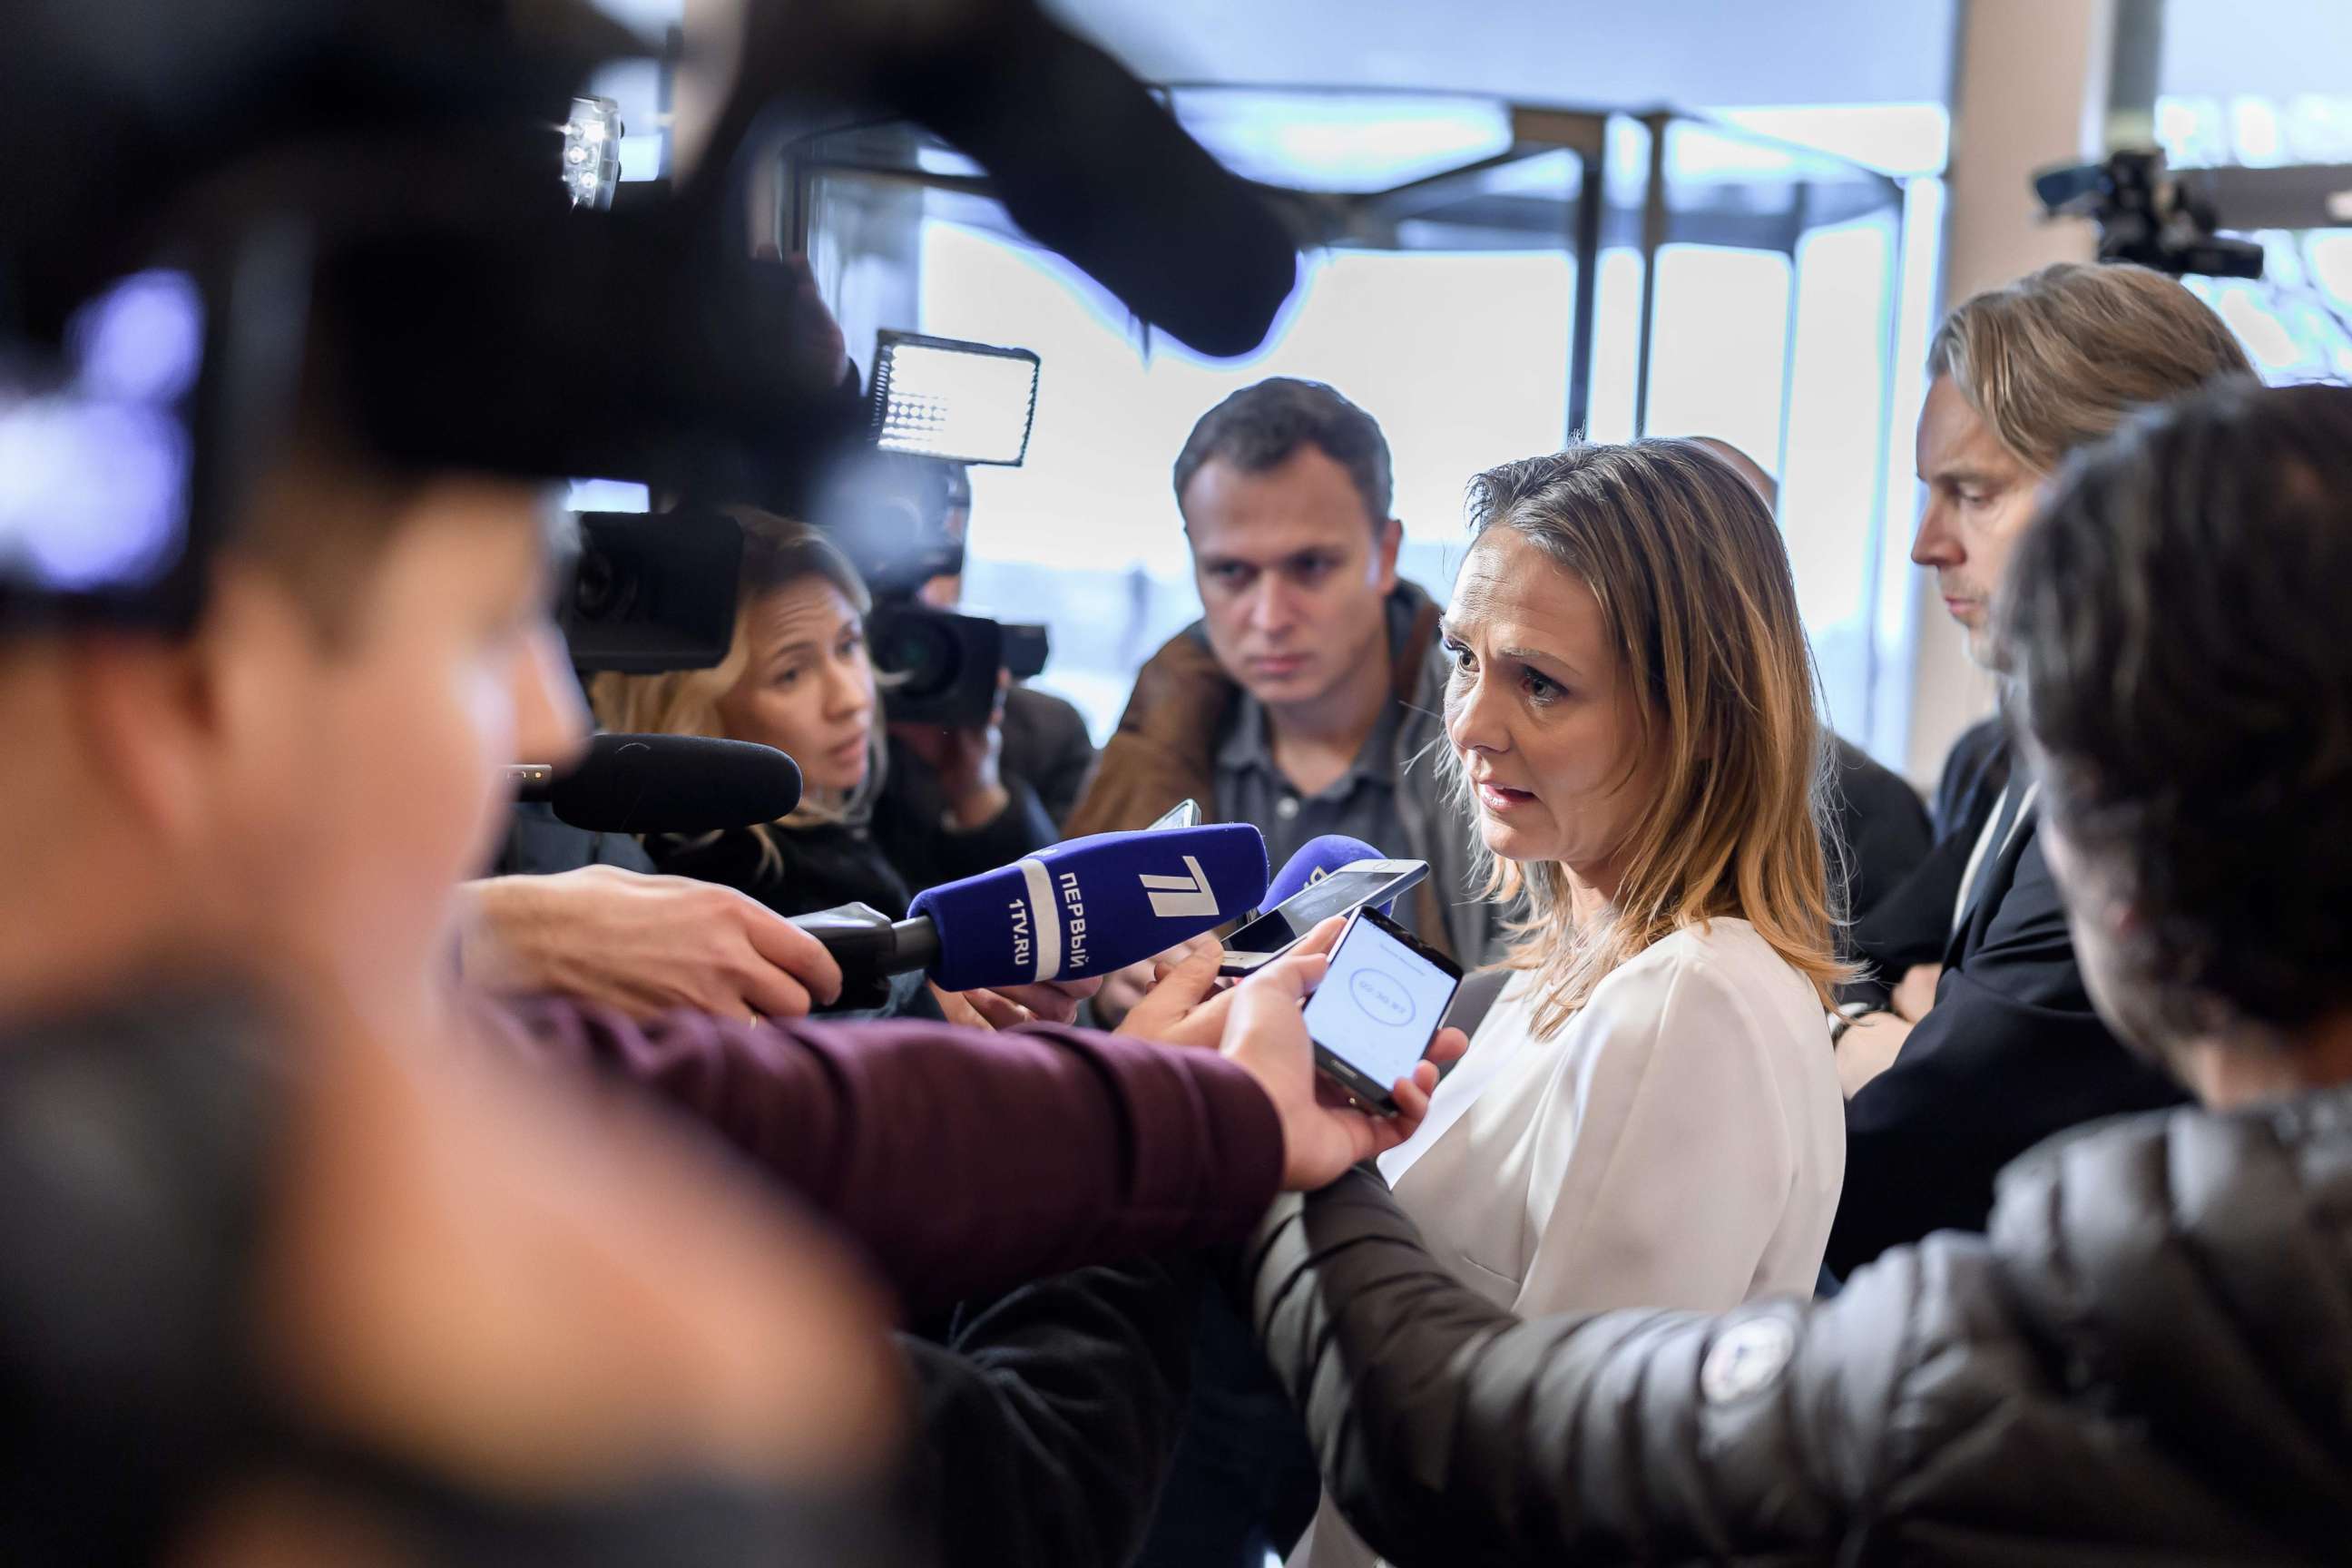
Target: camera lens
<point x="920" y="654"/>
<point x="596" y="587"/>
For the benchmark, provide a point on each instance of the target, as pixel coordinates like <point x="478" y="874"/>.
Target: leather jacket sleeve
<point x="1048" y="1417"/>
<point x="1451" y="1432"/>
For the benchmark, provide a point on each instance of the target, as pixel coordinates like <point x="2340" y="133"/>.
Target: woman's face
<point x="808" y="690"/>
<point x="1540" y="711"/>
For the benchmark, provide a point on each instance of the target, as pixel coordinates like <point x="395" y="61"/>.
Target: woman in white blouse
<point x="1649" y="1115"/>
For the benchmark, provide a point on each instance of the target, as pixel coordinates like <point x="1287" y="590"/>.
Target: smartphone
<point x="1183" y="813"/>
<point x="1279" y="929"/>
<point x="1379" y="1006"/>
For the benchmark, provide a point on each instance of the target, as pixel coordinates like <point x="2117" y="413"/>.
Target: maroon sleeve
<point x="965" y="1162"/>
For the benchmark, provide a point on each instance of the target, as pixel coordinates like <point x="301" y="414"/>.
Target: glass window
<point x="1462" y="356"/>
<point x="2295" y="320"/>
<point x="1780" y="279"/>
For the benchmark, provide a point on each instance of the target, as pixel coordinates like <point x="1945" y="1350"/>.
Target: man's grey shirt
<point x="1361" y="803"/>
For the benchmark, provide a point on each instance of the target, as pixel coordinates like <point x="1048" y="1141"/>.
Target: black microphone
<point x="666" y="783"/>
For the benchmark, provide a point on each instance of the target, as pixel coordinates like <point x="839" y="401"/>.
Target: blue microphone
<point x="1069" y="912"/>
<point x="1092" y="905"/>
<point x="1316" y="859"/>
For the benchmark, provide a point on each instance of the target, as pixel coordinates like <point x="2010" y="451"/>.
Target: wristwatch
<point x="1847" y="1016"/>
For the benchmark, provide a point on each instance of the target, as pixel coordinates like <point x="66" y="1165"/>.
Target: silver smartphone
<point x="1183" y="813"/>
<point x="1344" y="891"/>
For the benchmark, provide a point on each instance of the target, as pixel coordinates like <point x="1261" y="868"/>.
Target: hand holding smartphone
<point x="1377" y="1008"/>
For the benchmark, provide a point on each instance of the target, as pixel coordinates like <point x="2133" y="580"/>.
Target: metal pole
<point x="1584" y="240"/>
<point x="1874" y="577"/>
<point x="1653" y="239"/>
<point x="1800" y="212"/>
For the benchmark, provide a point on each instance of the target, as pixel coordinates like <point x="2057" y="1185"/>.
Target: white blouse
<point x="1679" y="1143"/>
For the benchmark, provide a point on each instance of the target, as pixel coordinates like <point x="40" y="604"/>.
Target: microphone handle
<point x="532" y="781"/>
<point x="870" y="947"/>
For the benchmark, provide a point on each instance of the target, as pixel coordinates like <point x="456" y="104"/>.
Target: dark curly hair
<point x="2178" y="619"/>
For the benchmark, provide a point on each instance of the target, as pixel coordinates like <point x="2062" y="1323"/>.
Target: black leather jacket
<point x="2149" y="1360"/>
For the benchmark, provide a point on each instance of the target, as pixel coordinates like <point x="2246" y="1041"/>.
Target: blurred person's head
<point x="1285" y="488"/>
<point x="2022" y="375"/>
<point x="2176" y="624"/>
<point x="280" y="1293"/>
<point x="306" y="775"/>
<point x="797" y="675"/>
<point x="1746" y="467"/>
<point x="1631" y="711"/>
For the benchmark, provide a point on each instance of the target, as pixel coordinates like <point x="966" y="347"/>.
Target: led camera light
<point x="591" y="151"/>
<point x="965" y="403"/>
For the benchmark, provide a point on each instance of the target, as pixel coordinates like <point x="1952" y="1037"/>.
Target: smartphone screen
<point x="1379" y="1005"/>
<point x="1339" y="893"/>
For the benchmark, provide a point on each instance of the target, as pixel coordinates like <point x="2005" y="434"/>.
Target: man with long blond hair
<point x="1986" y="1042"/>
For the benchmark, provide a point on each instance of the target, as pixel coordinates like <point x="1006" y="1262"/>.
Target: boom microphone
<point x="666" y="783"/>
<point x="1069" y="912"/>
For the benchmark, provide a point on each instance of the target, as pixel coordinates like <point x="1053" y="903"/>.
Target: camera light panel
<point x="966" y="403"/>
<point x="591" y="151"/>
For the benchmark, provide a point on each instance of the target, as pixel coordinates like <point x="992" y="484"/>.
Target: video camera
<point x="2146" y="217"/>
<point x="359" y="220"/>
<point x="654" y="592"/>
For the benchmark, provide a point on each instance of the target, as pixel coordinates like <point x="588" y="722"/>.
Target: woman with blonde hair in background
<point x="1649" y="1114"/>
<point x="798" y="678"/>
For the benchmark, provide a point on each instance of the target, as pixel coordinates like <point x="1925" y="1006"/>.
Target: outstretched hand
<point x="1186" y="1005"/>
<point x="1322" y="1132"/>
<point x="645" y="945"/>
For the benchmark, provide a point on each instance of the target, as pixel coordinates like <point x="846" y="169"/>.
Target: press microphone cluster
<point x="1069" y="912"/>
<point x="665" y="783"/>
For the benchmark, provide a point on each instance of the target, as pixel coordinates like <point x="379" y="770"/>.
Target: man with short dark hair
<point x="1307" y="698"/>
<point x="2145" y="1360"/>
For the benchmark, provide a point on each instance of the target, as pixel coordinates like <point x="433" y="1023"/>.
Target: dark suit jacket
<point x="1882" y="830"/>
<point x="2010" y="1053"/>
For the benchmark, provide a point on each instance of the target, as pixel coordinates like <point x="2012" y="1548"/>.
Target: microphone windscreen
<point x="1185" y="243"/>
<point x="1316" y="859"/>
<point x="672" y="784"/>
<point x="1093" y="905"/>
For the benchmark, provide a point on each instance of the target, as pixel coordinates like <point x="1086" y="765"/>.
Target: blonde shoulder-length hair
<point x="1695" y="596"/>
<point x="777" y="552"/>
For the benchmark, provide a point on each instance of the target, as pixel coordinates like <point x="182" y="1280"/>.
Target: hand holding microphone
<point x="645" y="945"/>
